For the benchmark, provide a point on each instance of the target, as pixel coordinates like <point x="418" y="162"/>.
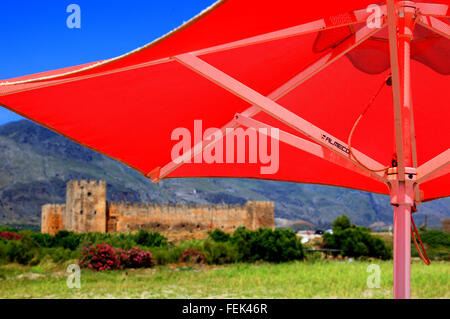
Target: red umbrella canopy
<point x="316" y="63"/>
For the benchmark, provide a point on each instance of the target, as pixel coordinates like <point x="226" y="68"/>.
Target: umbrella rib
<point x="272" y="108"/>
<point x="414" y="150"/>
<point x="434" y="168"/>
<point x="433" y="9"/>
<point x="396" y="87"/>
<point x="304" y="145"/>
<point x="315" y="26"/>
<point x="435" y="25"/>
<point x="320" y="64"/>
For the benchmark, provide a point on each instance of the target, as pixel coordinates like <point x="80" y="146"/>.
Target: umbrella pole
<point x="401" y="15"/>
<point x="402" y="252"/>
<point x="402" y="198"/>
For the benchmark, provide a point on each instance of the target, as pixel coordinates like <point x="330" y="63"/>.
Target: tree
<point x="341" y="223"/>
<point x="219" y="235"/>
<point x="355" y="241"/>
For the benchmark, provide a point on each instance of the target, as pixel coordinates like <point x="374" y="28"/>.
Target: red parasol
<point x="335" y="82"/>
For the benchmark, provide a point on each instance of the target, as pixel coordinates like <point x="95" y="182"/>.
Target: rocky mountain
<point x="36" y="163"/>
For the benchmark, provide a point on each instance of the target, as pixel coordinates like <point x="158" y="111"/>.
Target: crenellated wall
<point x="87" y="210"/>
<point x="132" y="216"/>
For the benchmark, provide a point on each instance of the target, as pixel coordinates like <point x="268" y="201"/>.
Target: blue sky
<point x="35" y="36"/>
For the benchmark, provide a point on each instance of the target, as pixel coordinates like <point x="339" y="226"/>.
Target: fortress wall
<point x="262" y="214"/>
<point x="87" y="210"/>
<point x="446" y="225"/>
<point x="51" y="218"/>
<point x="162" y="217"/>
<point x="229" y="217"/>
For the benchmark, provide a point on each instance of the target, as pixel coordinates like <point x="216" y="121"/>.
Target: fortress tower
<point x="52" y="218"/>
<point x="85" y="207"/>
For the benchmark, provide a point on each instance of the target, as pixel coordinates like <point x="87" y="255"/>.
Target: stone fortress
<point x="87" y="210"/>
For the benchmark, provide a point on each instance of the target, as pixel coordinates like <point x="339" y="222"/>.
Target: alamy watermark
<point x="374" y="20"/>
<point x="74" y="278"/>
<point x="73" y="21"/>
<point x="233" y="145"/>
<point x="374" y="279"/>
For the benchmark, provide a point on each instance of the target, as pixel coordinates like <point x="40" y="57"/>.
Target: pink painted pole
<point x="402" y="252"/>
<point x="401" y="15"/>
<point x="402" y="239"/>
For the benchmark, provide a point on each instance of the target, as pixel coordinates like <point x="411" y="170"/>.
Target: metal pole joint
<point x="402" y="192"/>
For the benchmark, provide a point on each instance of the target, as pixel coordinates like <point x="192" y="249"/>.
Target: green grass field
<point x="321" y="279"/>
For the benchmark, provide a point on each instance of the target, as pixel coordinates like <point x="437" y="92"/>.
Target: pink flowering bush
<point x="9" y="235"/>
<point x="192" y="256"/>
<point x="100" y="257"/>
<point x="104" y="257"/>
<point x="137" y="258"/>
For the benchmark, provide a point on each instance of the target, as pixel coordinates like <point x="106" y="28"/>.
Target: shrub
<point x="67" y="239"/>
<point x="104" y="257"/>
<point x="435" y="238"/>
<point x="91" y="238"/>
<point x="121" y="240"/>
<point x="437" y="244"/>
<point x="10" y="235"/>
<point x="219" y="235"/>
<point x="150" y="239"/>
<point x="2" y="250"/>
<point x="196" y="244"/>
<point x="5" y="228"/>
<point x="22" y="253"/>
<point x="60" y="254"/>
<point x="220" y="253"/>
<point x="118" y="242"/>
<point x="169" y="255"/>
<point x="314" y="257"/>
<point x="135" y="258"/>
<point x="100" y="257"/>
<point x="192" y="256"/>
<point x="355" y="241"/>
<point x="266" y="244"/>
<point x="43" y="240"/>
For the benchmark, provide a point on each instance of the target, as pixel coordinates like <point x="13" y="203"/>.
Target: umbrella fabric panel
<point x="431" y="101"/>
<point x="116" y="115"/>
<point x="295" y="166"/>
<point x="266" y="66"/>
<point x="131" y="114"/>
<point x="436" y="188"/>
<point x="333" y="100"/>
<point x="129" y="107"/>
<point x="233" y="20"/>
